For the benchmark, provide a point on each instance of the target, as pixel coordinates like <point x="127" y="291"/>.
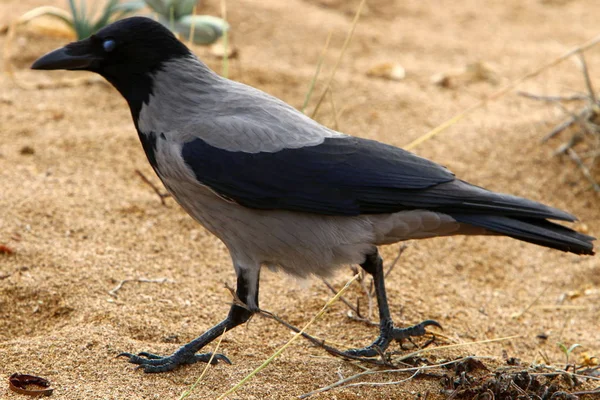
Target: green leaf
<point x="50" y="11"/>
<point x="563" y="348"/>
<point x="107" y="13"/>
<point x="161" y="7"/>
<point x="183" y="7"/>
<point x="207" y="29"/>
<point x="573" y="347"/>
<point x="84" y="26"/>
<point x="122" y="9"/>
<point x="130" y="6"/>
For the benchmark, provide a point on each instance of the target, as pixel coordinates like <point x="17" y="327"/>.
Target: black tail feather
<point x="533" y="230"/>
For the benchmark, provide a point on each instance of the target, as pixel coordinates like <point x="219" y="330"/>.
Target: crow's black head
<point x="134" y="45"/>
<point x="126" y="52"/>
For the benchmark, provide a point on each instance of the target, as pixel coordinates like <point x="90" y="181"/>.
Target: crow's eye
<point x="109" y="45"/>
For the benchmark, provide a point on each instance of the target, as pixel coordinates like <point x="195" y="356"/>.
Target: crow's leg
<point x="247" y="291"/>
<point x="387" y="332"/>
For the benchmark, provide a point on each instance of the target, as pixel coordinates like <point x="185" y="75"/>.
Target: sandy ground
<point x="80" y="220"/>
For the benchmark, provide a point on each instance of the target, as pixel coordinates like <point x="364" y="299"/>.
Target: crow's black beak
<point x="69" y="57"/>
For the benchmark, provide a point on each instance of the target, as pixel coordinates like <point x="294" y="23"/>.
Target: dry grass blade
<point x="342" y="298"/>
<point x="453" y="346"/>
<point x="193" y="26"/>
<point x="313" y="81"/>
<point x="496" y="95"/>
<point x="382" y="361"/>
<point x="114" y="291"/>
<point x="591" y="392"/>
<point x="563" y="307"/>
<point x="293" y="339"/>
<point x="587" y="136"/>
<point x="588" y="81"/>
<point x="532" y="96"/>
<point x="522" y="312"/>
<point x="559" y="128"/>
<point x="161" y="196"/>
<point x="584" y="170"/>
<point x="339" y="60"/>
<point x="381" y="383"/>
<point x="188" y="392"/>
<point x="355" y="311"/>
<point x="336" y="123"/>
<point x="225" y="40"/>
<point x="321" y="342"/>
<point x="414" y="370"/>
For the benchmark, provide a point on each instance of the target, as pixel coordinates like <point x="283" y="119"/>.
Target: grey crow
<point x="281" y="190"/>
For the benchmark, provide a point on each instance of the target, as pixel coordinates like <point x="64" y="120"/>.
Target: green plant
<point x="179" y="16"/>
<point x="84" y="26"/>
<point x="567" y="351"/>
<point x="79" y="20"/>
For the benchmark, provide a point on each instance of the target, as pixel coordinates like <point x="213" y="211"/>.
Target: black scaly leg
<point x="387" y="332"/>
<point x="186" y="354"/>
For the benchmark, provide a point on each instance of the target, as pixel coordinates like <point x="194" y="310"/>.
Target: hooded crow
<point x="281" y="190"/>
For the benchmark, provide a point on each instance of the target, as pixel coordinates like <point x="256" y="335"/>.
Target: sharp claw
<point x="149" y="356"/>
<point x="220" y="357"/>
<point x="223" y="358"/>
<point x="397" y="334"/>
<point x="134" y="359"/>
<point x="206" y="357"/>
<point x="431" y="322"/>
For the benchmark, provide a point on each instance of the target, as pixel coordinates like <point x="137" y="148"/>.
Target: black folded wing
<point x="347" y="176"/>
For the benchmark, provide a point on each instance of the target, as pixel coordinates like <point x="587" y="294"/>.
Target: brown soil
<point x="80" y="220"/>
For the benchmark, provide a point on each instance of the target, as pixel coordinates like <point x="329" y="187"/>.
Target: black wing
<point x="347" y="176"/>
<point x="341" y="176"/>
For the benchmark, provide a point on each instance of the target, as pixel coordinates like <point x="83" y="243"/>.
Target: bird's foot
<point x="152" y="363"/>
<point x="390" y="333"/>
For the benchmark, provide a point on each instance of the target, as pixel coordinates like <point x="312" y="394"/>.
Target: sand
<point x="80" y="219"/>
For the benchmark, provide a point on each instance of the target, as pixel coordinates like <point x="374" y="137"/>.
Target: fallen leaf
<point x="29" y="385"/>
<point x="4" y="249"/>
<point x="588" y="360"/>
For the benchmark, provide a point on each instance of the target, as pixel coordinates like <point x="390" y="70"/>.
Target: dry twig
<point x="161" y="195"/>
<point x="414" y="370"/>
<point x="355" y="312"/>
<point x="114" y="291"/>
<point x="498" y="94"/>
<point x="286" y="345"/>
<point x="522" y="312"/>
<point x="532" y="96"/>
<point x="189" y="391"/>
<point x="587" y="119"/>
<point x="584" y="169"/>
